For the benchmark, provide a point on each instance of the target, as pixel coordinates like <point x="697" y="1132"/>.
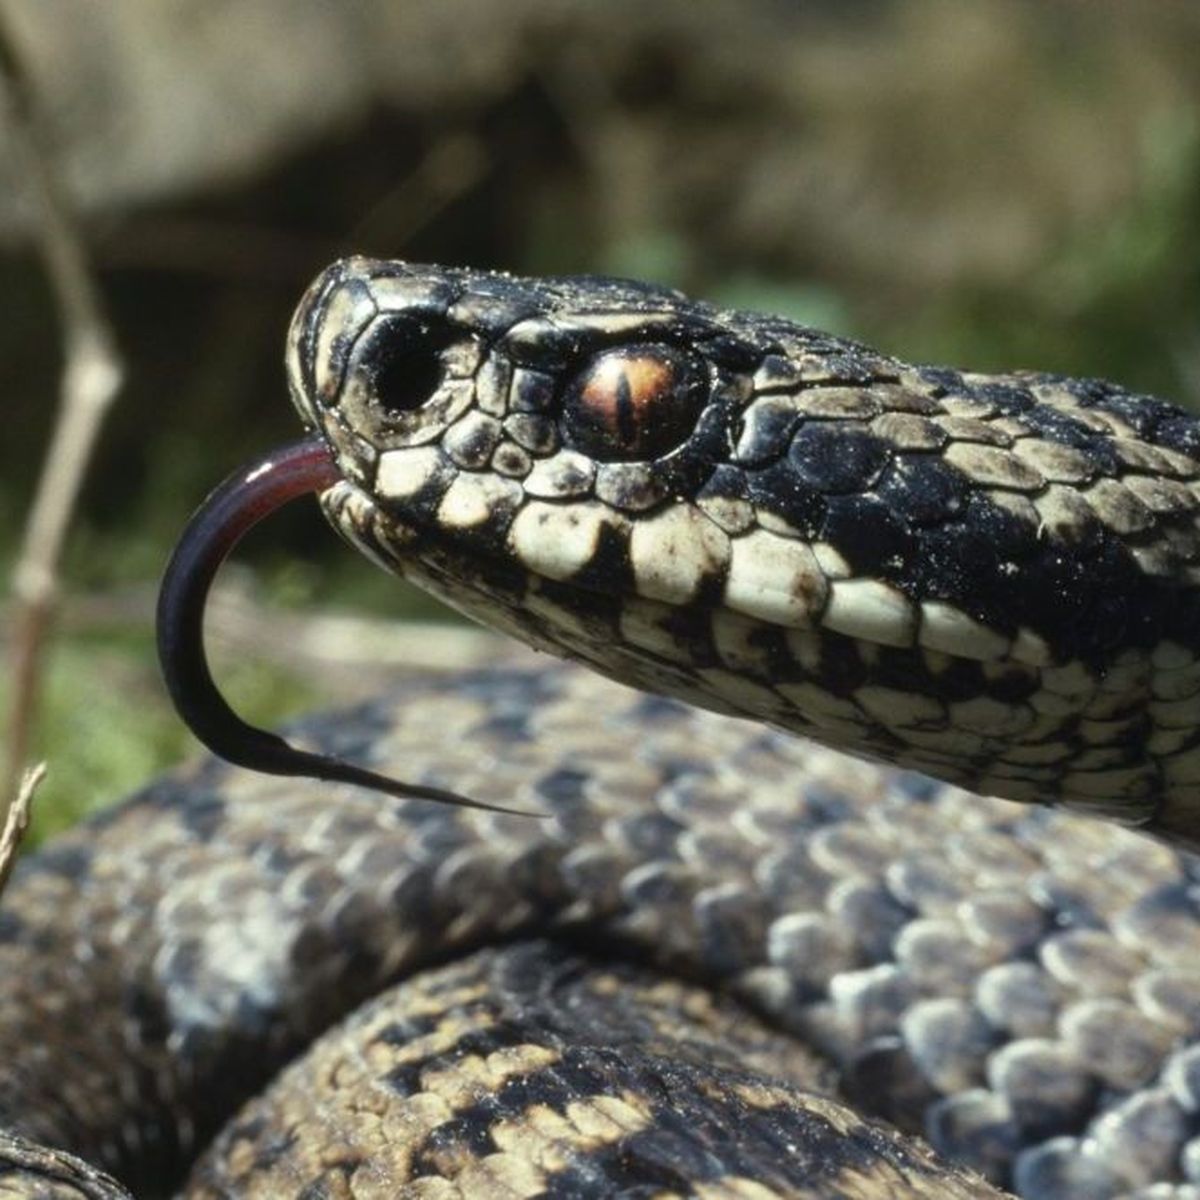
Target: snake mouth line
<point x="249" y="495"/>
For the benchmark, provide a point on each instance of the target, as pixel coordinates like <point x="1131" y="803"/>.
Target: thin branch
<point x="16" y="821"/>
<point x="449" y="169"/>
<point x="48" y="1166"/>
<point x="91" y="377"/>
<point x="348" y="654"/>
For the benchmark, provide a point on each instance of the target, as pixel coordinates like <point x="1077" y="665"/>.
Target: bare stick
<point x="16" y="820"/>
<point x="91" y="377"/>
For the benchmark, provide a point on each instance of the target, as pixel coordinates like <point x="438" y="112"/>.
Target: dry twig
<point x="16" y="820"/>
<point x="91" y="377"/>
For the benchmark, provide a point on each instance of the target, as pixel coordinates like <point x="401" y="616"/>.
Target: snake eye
<point x="402" y="363"/>
<point x="635" y="402"/>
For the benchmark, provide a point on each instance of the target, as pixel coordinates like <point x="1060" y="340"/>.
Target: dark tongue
<point x="245" y="498"/>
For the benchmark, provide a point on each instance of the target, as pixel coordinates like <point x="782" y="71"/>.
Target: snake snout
<point x="380" y="360"/>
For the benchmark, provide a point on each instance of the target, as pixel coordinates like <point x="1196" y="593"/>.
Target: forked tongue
<point x="244" y="499"/>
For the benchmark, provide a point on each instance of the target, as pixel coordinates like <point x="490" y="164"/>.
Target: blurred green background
<point x="993" y="184"/>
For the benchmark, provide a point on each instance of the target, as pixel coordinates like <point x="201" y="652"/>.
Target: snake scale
<point x="724" y="961"/>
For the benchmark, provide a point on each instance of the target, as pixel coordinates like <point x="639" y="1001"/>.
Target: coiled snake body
<point x="720" y="934"/>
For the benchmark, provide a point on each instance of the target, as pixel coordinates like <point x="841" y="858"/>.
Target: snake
<point x="788" y="883"/>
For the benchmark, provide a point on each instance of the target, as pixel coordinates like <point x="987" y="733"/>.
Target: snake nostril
<point x="406" y="381"/>
<point x="403" y="363"/>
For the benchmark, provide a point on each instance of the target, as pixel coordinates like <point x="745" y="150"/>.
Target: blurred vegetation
<point x="996" y="185"/>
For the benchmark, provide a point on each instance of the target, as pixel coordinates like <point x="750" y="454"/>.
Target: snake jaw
<point x="245" y="498"/>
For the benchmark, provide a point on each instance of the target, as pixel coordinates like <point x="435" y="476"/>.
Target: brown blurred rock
<point x="921" y="143"/>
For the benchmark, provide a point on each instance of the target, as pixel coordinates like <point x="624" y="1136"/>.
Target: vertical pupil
<point x="634" y="402"/>
<point x="626" y="412"/>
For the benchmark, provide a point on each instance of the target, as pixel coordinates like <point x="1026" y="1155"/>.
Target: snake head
<point x="541" y="454"/>
<point x="994" y="579"/>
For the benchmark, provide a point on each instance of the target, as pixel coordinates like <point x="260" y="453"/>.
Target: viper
<point x="623" y="946"/>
